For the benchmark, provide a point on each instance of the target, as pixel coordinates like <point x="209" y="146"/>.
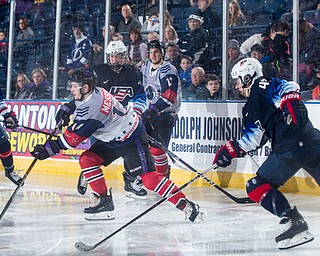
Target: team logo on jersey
<point x="121" y="92"/>
<point x="152" y="93"/>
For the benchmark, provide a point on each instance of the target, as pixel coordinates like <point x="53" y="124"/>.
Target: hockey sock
<point x="6" y="155"/>
<point x="90" y="164"/>
<point x="162" y="186"/>
<point x="160" y="160"/>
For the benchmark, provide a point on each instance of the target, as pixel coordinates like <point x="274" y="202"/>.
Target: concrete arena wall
<point x="200" y="130"/>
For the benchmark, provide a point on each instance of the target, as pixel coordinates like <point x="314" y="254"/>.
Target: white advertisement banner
<point x="203" y="127"/>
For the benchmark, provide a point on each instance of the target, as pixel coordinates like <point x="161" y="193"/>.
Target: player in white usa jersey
<point x="123" y="81"/>
<point x="163" y="90"/>
<point x="119" y="133"/>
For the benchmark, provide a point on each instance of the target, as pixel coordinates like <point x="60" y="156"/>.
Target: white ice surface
<point x="46" y="220"/>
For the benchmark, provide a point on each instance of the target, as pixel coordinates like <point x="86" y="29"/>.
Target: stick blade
<point x="80" y="246"/>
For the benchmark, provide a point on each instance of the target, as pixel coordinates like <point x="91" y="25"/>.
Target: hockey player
<point x="295" y="145"/>
<point x="163" y="89"/>
<point x="11" y="122"/>
<point x="119" y="132"/>
<point x="124" y="82"/>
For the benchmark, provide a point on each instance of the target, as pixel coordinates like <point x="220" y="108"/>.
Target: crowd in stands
<point x="192" y="37"/>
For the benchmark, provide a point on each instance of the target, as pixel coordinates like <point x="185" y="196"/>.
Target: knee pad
<point x="257" y="189"/>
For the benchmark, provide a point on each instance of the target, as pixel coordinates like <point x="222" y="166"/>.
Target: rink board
<point x="201" y="129"/>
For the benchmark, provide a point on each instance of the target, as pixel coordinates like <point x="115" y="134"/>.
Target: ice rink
<point x="46" y="218"/>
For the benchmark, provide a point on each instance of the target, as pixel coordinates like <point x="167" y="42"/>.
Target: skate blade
<point x="299" y="239"/>
<point x="99" y="216"/>
<point x="133" y="195"/>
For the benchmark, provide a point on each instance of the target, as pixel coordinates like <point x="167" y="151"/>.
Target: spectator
<point x="3" y="42"/>
<point x="152" y="35"/>
<point x="41" y="87"/>
<point x="127" y="23"/>
<point x="313" y="16"/>
<point x="197" y="40"/>
<point x="170" y="35"/>
<point x="315" y="85"/>
<point x="197" y="89"/>
<point x="168" y="19"/>
<point x="308" y="52"/>
<point x="25" y="32"/>
<point x="258" y="52"/>
<point x="257" y="38"/>
<point x="152" y="23"/>
<point x="23" y="87"/>
<point x="234" y="55"/>
<point x="279" y="49"/>
<point x="80" y="51"/>
<point x="193" y="2"/>
<point x="23" y="45"/>
<point x="117" y="37"/>
<point x="98" y="50"/>
<point x="210" y="17"/>
<point x="236" y="18"/>
<point x="137" y="49"/>
<point x="185" y="70"/>
<point x="173" y="55"/>
<point x="213" y="86"/>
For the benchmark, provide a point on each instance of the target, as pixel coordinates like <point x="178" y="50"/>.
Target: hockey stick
<point x="39" y="131"/>
<point x="83" y="247"/>
<point x="25" y="176"/>
<point x="241" y="200"/>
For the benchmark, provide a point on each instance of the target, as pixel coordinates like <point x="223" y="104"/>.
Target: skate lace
<point x="15" y="176"/>
<point x="287" y="227"/>
<point x="137" y="184"/>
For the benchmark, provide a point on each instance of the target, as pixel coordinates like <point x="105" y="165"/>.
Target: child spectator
<point x="213" y="87"/>
<point x="152" y="23"/>
<point x="185" y="70"/>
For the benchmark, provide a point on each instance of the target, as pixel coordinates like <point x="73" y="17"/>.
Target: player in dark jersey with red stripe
<point x="295" y="144"/>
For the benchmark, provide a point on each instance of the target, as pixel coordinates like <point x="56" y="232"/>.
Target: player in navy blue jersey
<point x="295" y="145"/>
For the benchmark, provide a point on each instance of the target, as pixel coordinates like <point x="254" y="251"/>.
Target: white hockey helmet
<point x="247" y="70"/>
<point x="116" y="48"/>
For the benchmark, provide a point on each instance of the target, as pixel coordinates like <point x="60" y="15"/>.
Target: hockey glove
<point x="293" y="110"/>
<point x="150" y="114"/>
<point x="42" y="152"/>
<point x="10" y="120"/>
<point x="64" y="113"/>
<point x="227" y="152"/>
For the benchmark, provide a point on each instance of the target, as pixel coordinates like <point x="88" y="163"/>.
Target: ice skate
<point x="296" y="231"/>
<point x="13" y="176"/>
<point x="82" y="184"/>
<point x="192" y="211"/>
<point x="103" y="210"/>
<point x="134" y="187"/>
